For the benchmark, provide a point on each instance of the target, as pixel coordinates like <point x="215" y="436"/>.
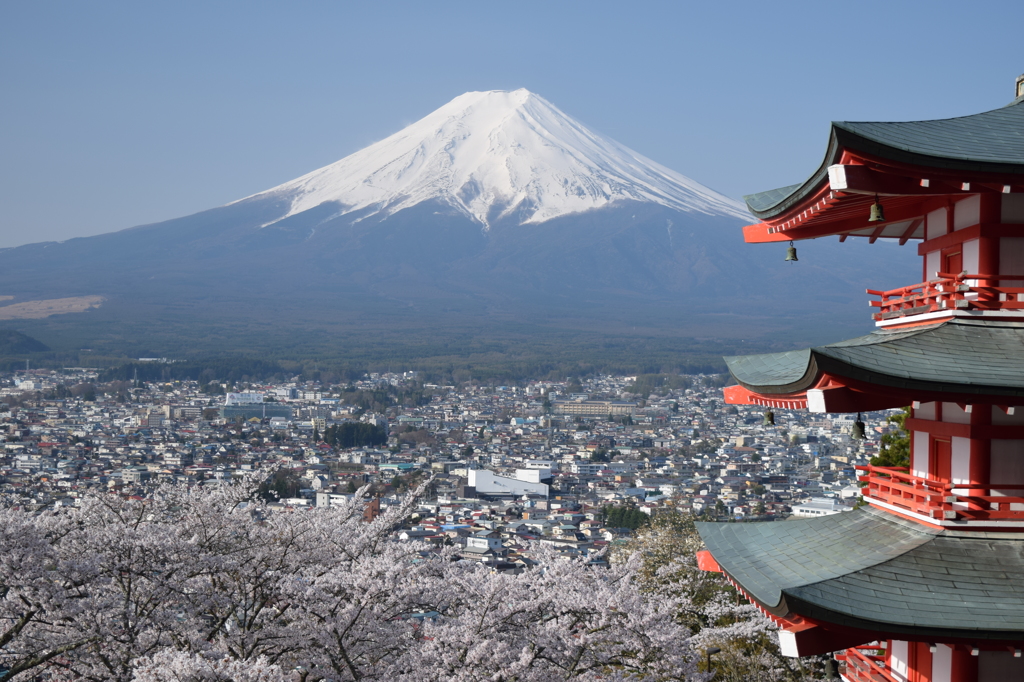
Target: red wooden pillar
<point x="919" y="662"/>
<point x="980" y="472"/>
<point x="964" y="667"/>
<point x="991" y="209"/>
<point x="988" y="247"/>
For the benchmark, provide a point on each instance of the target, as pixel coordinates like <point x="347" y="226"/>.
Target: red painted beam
<point x="844" y="399"/>
<point x="860" y="179"/>
<point x="758" y="234"/>
<point x="995" y="231"/>
<point x="706" y="562"/>
<point x="978" y="431"/>
<point x="824" y="227"/>
<point x="877" y="233"/>
<point x="914" y="224"/>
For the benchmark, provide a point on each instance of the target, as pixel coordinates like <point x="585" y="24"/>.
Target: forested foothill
<point x="441" y="355"/>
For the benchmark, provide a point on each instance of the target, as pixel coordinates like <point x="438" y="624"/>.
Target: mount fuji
<point x="498" y="155"/>
<point x="496" y="211"/>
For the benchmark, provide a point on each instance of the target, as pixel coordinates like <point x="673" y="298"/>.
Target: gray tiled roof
<point x="990" y="137"/>
<point x="765" y="200"/>
<point x="866" y="568"/>
<point x="992" y="141"/>
<point x="961" y="356"/>
<point x="772" y="557"/>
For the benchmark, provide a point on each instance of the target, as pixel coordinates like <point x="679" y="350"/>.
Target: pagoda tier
<point x="962" y="361"/>
<point x="926" y="583"/>
<point x="902" y="581"/>
<point x="916" y="168"/>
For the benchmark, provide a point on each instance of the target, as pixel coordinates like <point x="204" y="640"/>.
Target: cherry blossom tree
<point x="42" y="590"/>
<point x="210" y="584"/>
<point x="712" y="610"/>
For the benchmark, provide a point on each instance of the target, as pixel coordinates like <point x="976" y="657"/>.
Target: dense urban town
<point x="574" y="464"/>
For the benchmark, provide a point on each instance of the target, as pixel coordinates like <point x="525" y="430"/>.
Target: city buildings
<point x="496" y="458"/>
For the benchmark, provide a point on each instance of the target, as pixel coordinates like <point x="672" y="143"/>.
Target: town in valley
<point x="574" y="464"/>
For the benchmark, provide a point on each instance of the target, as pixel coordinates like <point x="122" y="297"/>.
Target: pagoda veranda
<point x="926" y="582"/>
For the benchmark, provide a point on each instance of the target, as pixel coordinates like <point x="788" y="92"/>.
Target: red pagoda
<point x="926" y="582"/>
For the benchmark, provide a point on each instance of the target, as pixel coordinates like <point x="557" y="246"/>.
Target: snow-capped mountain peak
<point x="499" y="154"/>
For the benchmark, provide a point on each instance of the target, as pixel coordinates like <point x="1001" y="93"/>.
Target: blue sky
<point x="118" y="114"/>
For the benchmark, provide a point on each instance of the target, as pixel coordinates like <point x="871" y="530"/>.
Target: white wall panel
<point x="967" y="212"/>
<point x="1007" y="466"/>
<point x="970" y="251"/>
<point x="942" y="664"/>
<point x="1011" y="260"/>
<point x="932" y="262"/>
<point x="936" y="224"/>
<point x="954" y="414"/>
<point x="919" y="465"/>
<point x="1000" y="417"/>
<point x="999" y="666"/>
<point x="1013" y="208"/>
<point x="961" y="460"/>
<point x="898" y="660"/>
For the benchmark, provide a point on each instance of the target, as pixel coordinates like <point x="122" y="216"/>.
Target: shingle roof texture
<point x="868" y="567"/>
<point x="990" y="137"/>
<point x="963" y="356"/>
<point x="765" y="200"/>
<point x="989" y="141"/>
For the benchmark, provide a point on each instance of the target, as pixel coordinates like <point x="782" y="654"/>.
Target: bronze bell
<point x="877" y="214"/>
<point x="791" y="252"/>
<point x="769" y="418"/>
<point x="858" y="429"/>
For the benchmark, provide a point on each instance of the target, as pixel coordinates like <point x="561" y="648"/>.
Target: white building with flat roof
<point x="819" y="506"/>
<point x="488" y="483"/>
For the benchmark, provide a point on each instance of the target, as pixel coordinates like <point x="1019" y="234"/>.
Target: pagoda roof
<point x="989" y="142"/>
<point x="958" y="356"/>
<point x="870" y="570"/>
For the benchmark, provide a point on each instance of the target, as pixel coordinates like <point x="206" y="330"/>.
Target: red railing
<point x="950" y="292"/>
<point x="865" y="664"/>
<point x="939" y="499"/>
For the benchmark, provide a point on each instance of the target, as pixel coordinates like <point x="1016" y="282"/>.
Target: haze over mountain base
<point x="428" y="282"/>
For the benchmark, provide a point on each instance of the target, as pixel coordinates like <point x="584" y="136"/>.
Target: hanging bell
<point x="858" y="429"/>
<point x="791" y="252"/>
<point x="769" y="418"/>
<point x="877" y="214"/>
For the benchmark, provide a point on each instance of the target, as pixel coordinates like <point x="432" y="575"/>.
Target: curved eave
<point x="977" y="359"/>
<point x="800" y="192"/>
<point x="850" y="139"/>
<point x="891" y="628"/>
<point x="868" y="570"/>
<point x="775" y="374"/>
<point x="896" y="142"/>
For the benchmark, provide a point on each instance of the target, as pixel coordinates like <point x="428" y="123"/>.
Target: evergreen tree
<point x="894" y="450"/>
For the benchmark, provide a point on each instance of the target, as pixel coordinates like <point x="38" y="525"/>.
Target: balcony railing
<point x="950" y="292"/>
<point x="864" y="664"/>
<point x="940" y="499"/>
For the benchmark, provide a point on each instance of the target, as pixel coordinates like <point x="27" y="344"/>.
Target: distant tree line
<point x="355" y="435"/>
<point x="228" y="369"/>
<point x="625" y="517"/>
<point x="284" y="483"/>
<point x="645" y="384"/>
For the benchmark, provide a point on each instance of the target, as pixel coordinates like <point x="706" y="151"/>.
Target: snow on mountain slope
<point x="497" y="154"/>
